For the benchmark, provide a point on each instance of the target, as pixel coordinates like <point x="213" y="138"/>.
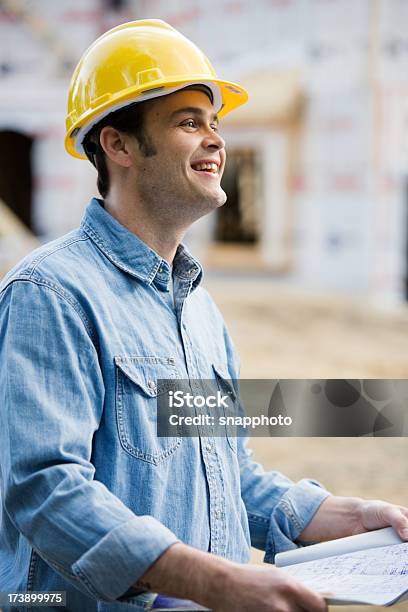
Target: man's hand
<point x="264" y="589"/>
<point x="376" y="514"/>
<point x="223" y="586"/>
<point x="339" y="517"/>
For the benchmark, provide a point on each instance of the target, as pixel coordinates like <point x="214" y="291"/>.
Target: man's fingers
<point x="403" y="529"/>
<point x="404" y="510"/>
<point x="398" y="518"/>
<point x="310" y="600"/>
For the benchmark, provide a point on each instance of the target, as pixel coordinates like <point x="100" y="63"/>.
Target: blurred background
<point x="308" y="260"/>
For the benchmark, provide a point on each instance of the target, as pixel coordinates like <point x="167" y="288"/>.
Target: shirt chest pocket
<point x="137" y="392"/>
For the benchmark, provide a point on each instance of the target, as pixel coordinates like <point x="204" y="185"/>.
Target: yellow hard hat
<point x="134" y="62"/>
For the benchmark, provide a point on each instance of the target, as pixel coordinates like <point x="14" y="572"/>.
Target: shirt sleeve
<point x="51" y="398"/>
<point x="278" y="509"/>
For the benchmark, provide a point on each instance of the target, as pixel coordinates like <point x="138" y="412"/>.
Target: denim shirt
<point x="91" y="497"/>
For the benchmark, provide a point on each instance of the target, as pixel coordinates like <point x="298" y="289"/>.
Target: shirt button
<point x="217" y="514"/>
<point x="209" y="448"/>
<point x="152" y="385"/>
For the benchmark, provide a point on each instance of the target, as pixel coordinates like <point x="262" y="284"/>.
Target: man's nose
<point x="213" y="140"/>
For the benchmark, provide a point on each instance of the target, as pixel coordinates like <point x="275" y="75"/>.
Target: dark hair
<point x="129" y="120"/>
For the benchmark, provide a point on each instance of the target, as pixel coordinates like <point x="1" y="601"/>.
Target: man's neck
<point x="160" y="235"/>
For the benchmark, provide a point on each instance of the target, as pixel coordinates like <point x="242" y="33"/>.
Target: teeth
<point x="210" y="166"/>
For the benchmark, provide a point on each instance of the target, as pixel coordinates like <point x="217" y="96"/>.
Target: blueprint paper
<point x="362" y="541"/>
<point x="378" y="576"/>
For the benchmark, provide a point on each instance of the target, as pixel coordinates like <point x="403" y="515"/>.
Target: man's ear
<point x="115" y="145"/>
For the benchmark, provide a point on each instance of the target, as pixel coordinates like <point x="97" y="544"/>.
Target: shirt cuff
<point x="117" y="561"/>
<point x="291" y="515"/>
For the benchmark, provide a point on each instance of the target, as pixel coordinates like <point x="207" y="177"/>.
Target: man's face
<point x="183" y="175"/>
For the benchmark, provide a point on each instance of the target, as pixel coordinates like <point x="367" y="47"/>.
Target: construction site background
<point x="308" y="261"/>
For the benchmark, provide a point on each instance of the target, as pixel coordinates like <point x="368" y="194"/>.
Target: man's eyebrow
<point x="194" y="110"/>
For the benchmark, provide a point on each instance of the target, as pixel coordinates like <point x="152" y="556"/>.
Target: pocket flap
<point x="223" y="376"/>
<point x="145" y="372"/>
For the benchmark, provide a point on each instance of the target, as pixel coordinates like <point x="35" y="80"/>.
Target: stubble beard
<point x="201" y="201"/>
<point x="180" y="206"/>
<point x="201" y="204"/>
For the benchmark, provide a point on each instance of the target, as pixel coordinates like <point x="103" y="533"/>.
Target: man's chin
<point x="207" y="201"/>
<point x="218" y="198"/>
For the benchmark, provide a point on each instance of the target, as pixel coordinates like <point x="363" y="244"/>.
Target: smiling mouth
<point x="210" y="168"/>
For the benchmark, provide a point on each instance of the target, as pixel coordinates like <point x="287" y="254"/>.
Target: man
<point x="94" y="503"/>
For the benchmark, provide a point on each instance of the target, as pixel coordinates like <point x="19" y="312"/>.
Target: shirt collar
<point x="129" y="253"/>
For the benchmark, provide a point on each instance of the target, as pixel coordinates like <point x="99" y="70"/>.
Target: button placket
<point x="210" y="457"/>
<point x="215" y="487"/>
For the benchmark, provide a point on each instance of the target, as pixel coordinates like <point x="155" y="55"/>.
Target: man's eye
<point x="189" y="123"/>
<point x="214" y="128"/>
